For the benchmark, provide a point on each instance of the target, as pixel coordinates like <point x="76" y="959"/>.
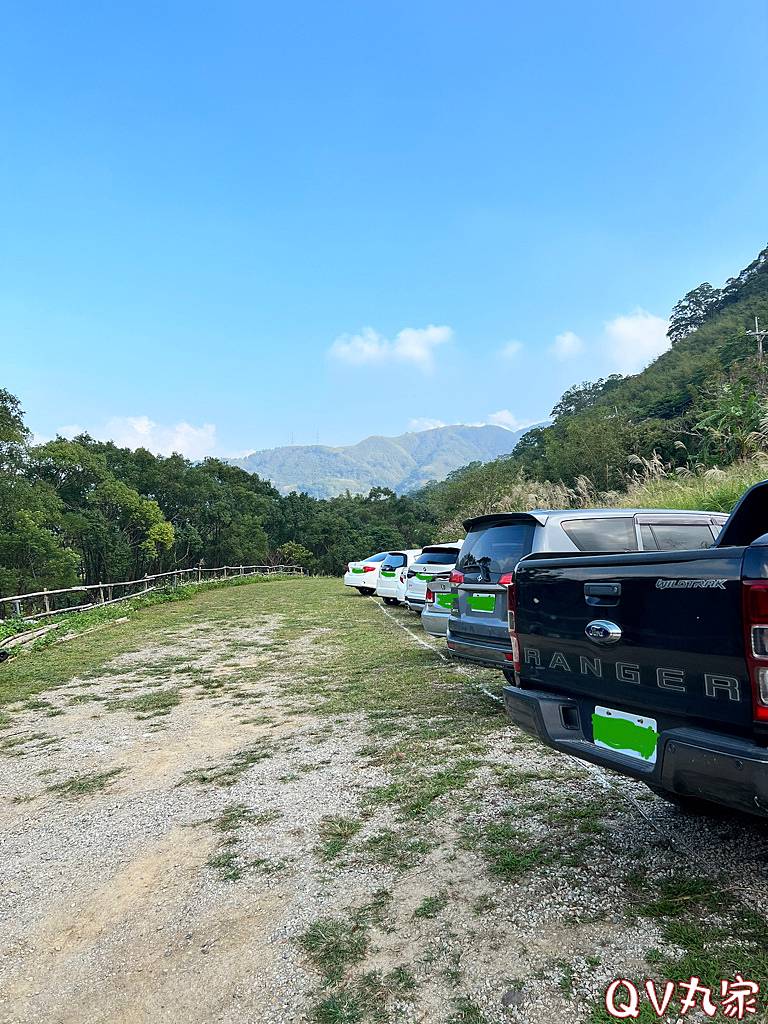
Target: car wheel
<point x="364" y="591"/>
<point x="391" y="600"/>
<point x="509" y="675"/>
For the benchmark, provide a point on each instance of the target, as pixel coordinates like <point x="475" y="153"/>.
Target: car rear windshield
<point x="494" y="550"/>
<point x="614" y="534"/>
<point x="377" y="558"/>
<point x="393" y="562"/>
<point x="437" y="558"/>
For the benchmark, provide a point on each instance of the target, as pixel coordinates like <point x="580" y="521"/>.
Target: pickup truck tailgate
<point x="656" y="634"/>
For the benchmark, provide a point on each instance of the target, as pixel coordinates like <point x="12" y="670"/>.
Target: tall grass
<point x="650" y="484"/>
<point x="711" y="490"/>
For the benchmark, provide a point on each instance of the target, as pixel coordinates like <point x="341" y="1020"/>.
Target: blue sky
<point x="236" y="225"/>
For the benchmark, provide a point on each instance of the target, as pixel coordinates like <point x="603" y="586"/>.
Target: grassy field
<point x="273" y="802"/>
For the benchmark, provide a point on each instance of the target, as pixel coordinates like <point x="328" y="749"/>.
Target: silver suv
<point x="478" y="627"/>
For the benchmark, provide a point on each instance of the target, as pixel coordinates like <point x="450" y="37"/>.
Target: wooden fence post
<point x="46" y="599"/>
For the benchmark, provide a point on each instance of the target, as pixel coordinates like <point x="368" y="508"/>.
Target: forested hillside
<point x="702" y="404"/>
<point x="401" y="463"/>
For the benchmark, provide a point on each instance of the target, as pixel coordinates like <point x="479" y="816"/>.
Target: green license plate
<point x="482" y="602"/>
<point x="633" y="735"/>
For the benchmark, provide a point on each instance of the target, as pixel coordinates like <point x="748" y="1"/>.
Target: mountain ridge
<point x="402" y="463"/>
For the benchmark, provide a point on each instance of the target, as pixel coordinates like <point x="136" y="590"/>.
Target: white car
<point x="435" y="560"/>
<point x="364" y="576"/>
<point x="390" y="586"/>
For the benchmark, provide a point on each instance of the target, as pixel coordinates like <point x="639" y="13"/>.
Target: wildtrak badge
<point x="710" y="584"/>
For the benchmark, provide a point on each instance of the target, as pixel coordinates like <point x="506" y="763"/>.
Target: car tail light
<point x="755" y="611"/>
<point x="508" y="581"/>
<point x="368" y="568"/>
<point x="430" y="596"/>
<point x="456" y="577"/>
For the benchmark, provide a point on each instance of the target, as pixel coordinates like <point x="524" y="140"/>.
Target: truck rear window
<point x="614" y="534"/>
<point x="495" y="550"/>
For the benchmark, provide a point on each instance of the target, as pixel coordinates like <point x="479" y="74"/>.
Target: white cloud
<point x="415" y="345"/>
<point x="142" y="432"/>
<point x="567" y="345"/>
<point x="425" y="423"/>
<point x="632" y="341"/>
<point x="507" y="419"/>
<point x="510" y="349"/>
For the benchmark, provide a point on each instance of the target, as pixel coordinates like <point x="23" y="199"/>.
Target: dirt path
<point x="280" y="808"/>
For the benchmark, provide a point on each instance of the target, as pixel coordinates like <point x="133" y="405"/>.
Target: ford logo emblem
<point x="601" y="631"/>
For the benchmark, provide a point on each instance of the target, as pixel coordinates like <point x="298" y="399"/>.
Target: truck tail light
<point x="508" y="581"/>
<point x="456" y="577"/>
<point x="755" y="613"/>
<point x="368" y="568"/>
<point x="430" y="596"/>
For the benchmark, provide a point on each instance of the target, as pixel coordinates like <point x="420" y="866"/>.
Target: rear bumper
<point x="360" y="579"/>
<point x="435" y="623"/>
<point x="727" y="770"/>
<point x="414" y="604"/>
<point x="478" y="652"/>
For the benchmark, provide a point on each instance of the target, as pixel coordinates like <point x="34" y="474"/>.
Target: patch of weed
<point x="85" y="785"/>
<point x="335" y="834"/>
<point x="467" y="1012"/>
<point x="431" y="906"/>
<point x="229" y="772"/>
<point x="149" y="705"/>
<point x="332" y="945"/>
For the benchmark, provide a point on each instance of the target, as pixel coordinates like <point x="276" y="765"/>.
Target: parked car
<point x="364" y="576"/>
<point x="435" y="560"/>
<point x="391" y="583"/>
<point x="653" y="663"/>
<point x="438" y="601"/>
<point x="477" y="626"/>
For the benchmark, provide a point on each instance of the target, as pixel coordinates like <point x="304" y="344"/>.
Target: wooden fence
<point x="45" y="603"/>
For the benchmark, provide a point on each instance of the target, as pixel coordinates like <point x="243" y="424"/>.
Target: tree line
<point x="81" y="510"/>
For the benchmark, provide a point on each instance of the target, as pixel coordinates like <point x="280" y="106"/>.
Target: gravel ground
<point x="165" y="828"/>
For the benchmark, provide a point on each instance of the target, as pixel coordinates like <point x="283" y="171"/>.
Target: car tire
<point x="509" y="675"/>
<point x="390" y="600"/>
<point x="365" y="591"/>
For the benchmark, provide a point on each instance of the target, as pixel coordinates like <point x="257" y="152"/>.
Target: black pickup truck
<point x="654" y="664"/>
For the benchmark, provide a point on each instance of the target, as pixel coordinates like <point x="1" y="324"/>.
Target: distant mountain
<point x="401" y="463"/>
